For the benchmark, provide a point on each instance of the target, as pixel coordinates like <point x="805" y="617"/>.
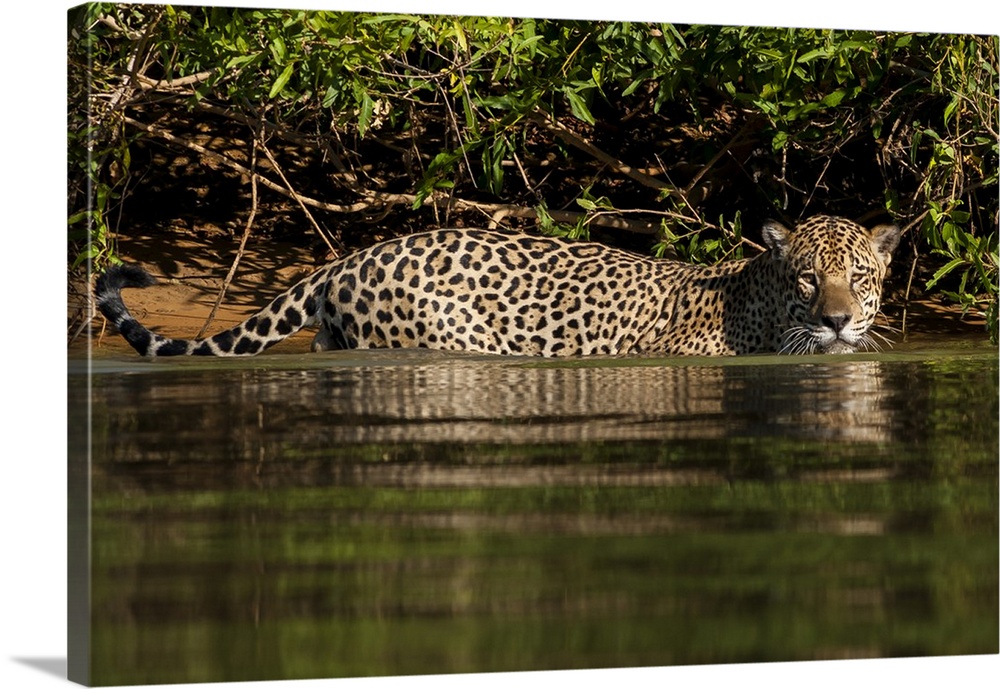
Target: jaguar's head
<point x="833" y="271"/>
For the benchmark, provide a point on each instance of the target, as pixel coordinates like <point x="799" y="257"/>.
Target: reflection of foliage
<point x="451" y="114"/>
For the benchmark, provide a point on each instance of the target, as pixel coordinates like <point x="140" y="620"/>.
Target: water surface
<point x="377" y="513"/>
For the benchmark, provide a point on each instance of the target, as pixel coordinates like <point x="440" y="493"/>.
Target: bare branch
<point x="298" y="198"/>
<point x="579" y="142"/>
<point x="377" y="200"/>
<point x="229" y="162"/>
<point x="147" y="84"/>
<point x="242" y="247"/>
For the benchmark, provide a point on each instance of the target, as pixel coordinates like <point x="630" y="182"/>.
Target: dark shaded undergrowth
<point x="338" y="129"/>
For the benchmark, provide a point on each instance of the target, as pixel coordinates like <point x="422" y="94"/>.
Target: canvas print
<point x="419" y="344"/>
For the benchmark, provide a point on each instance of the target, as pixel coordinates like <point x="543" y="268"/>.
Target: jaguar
<point x="816" y="289"/>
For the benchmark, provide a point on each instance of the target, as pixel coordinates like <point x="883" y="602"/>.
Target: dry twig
<point x="242" y="247"/>
<point x="579" y="142"/>
<point x="299" y="199"/>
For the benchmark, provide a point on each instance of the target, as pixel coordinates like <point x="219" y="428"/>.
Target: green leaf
<point x="772" y="54"/>
<point x="90" y="252"/>
<point x="329" y="97"/>
<point x="365" y="114"/>
<point x="578" y="106"/>
<point x="278" y="49"/>
<point x="949" y="109"/>
<point x="944" y="270"/>
<point x="282" y="80"/>
<point x="528" y="44"/>
<point x="832" y="100"/>
<point x="240" y="61"/>
<point x="813" y="54"/>
<point x="383" y="18"/>
<point x="460" y="35"/>
<point x="636" y="83"/>
<point x="77" y="217"/>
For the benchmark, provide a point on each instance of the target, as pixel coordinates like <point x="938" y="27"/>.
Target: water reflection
<point x="460" y="401"/>
<point x="460" y="514"/>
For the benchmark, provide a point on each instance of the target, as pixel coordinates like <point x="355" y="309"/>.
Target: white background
<point x="33" y="355"/>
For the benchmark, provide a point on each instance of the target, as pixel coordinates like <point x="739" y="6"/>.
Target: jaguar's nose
<point x="836" y="321"/>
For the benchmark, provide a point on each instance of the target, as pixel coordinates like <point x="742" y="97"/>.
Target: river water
<point x="384" y="513"/>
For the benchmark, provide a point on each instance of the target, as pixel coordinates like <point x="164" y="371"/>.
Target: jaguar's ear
<point x="885" y="238"/>
<point x="776" y="237"/>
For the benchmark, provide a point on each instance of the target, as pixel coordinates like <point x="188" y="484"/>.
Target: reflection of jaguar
<point x="818" y="289"/>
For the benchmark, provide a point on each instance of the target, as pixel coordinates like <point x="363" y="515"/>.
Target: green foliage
<point x="963" y="155"/>
<point x="693" y="245"/>
<point x="775" y="122"/>
<point x="98" y="156"/>
<point x="972" y="259"/>
<point x="593" y="207"/>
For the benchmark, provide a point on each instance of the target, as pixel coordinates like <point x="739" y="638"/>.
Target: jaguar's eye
<point x="859" y="274"/>
<point x="807" y="285"/>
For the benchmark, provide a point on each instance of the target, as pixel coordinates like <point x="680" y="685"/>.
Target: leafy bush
<point x="689" y="133"/>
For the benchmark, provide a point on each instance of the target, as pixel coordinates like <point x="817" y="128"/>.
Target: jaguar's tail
<point x="288" y="313"/>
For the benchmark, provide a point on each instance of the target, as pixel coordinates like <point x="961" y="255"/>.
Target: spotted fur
<point x="818" y="289"/>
